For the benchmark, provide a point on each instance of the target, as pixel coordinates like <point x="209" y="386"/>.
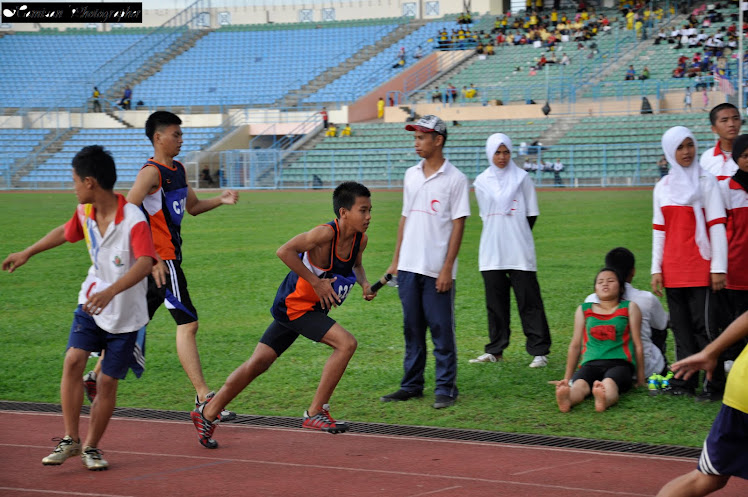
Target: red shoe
<point x="223" y="416"/>
<point x="323" y="422"/>
<point x="204" y="428"/>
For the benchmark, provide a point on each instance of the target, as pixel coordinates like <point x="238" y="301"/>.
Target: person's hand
<point x="229" y="197"/>
<point x="328" y="298"/>
<point x="444" y="281"/>
<point x="14" y="261"/>
<point x="368" y="294"/>
<point x="657" y="284"/>
<point x="718" y="281"/>
<point x="98" y="301"/>
<point x="392" y="269"/>
<point x="687" y="367"/>
<point x="159" y="272"/>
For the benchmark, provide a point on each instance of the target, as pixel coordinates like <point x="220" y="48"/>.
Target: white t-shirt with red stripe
<point x="113" y="253"/>
<point x="506" y="240"/>
<point x="430" y="205"/>
<point x="676" y="255"/>
<point x="718" y="162"/>
<point x="736" y="204"/>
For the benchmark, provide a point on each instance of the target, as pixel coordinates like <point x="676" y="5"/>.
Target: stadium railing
<point x="601" y="165"/>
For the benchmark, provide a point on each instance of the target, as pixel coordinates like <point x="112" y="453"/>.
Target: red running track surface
<point x="163" y="458"/>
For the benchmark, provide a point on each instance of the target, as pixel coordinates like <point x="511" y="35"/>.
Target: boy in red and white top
<point x="112" y="303"/>
<point x="689" y="251"/>
<point x="726" y="122"/>
<point x="735" y="194"/>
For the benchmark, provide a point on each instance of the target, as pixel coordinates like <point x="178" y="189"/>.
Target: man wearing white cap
<point x="435" y="205"/>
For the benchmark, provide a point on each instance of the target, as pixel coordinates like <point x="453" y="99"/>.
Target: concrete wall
<point x="671" y="102"/>
<point x="365" y="108"/>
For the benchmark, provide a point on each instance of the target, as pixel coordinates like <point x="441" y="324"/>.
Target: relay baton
<point x="382" y="281"/>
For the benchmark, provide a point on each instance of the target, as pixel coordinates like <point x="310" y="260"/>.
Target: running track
<point x="150" y="458"/>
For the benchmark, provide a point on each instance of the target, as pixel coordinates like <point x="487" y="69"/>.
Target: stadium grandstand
<point x="594" y="86"/>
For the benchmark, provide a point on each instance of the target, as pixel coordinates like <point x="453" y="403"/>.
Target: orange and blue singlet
<point x="296" y="297"/>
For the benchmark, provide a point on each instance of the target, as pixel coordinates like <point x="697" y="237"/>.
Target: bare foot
<point x="563" y="396"/>
<point x="598" y="391"/>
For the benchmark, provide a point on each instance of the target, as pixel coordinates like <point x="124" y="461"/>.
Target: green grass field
<point x="233" y="275"/>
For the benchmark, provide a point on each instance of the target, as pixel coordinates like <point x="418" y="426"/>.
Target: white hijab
<point x="683" y="185"/>
<point x="508" y="179"/>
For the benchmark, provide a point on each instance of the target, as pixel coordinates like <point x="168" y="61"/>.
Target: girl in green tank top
<point x="607" y="344"/>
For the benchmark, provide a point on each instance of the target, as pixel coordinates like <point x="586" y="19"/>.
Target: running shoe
<point x="540" y="361"/>
<point x="323" y="421"/>
<point x="65" y="448"/>
<point x="486" y="358"/>
<point x="89" y="385"/>
<point x="223" y="416"/>
<point x="91" y="457"/>
<point x="204" y="428"/>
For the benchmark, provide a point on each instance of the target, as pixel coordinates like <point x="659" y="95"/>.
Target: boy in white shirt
<point x="112" y="303"/>
<point x="435" y="206"/>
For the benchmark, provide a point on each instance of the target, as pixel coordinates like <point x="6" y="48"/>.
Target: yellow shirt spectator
<point x="346" y="131"/>
<point x="380" y="108"/>
<point x="585" y="15"/>
<point x="554" y="16"/>
<point x="331" y="131"/>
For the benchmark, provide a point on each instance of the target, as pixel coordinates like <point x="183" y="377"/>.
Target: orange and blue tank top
<point x="296" y="297"/>
<point x="165" y="209"/>
<point x="607" y="336"/>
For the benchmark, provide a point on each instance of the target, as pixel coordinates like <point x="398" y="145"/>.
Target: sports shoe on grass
<point x="486" y="358"/>
<point x="204" y="428"/>
<point x="540" y="361"/>
<point x="89" y="385"/>
<point x="66" y="447"/>
<point x="323" y="422"/>
<point x="400" y="396"/>
<point x="91" y="457"/>
<point x="223" y="416"/>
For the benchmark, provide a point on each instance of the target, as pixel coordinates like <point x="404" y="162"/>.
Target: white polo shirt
<point x="506" y="239"/>
<point x="653" y="316"/>
<point x="718" y="162"/>
<point x="430" y="205"/>
<point x="113" y="254"/>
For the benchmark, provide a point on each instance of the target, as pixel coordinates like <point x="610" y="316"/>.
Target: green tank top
<point x="607" y="336"/>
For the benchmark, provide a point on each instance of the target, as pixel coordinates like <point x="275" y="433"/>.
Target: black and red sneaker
<point x="89" y="385"/>
<point x="322" y="421"/>
<point x="223" y="416"/>
<point x="204" y="428"/>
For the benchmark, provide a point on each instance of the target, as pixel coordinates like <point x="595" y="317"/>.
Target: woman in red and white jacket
<point x="689" y="252"/>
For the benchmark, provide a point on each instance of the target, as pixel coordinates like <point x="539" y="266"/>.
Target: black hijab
<point x="738" y="147"/>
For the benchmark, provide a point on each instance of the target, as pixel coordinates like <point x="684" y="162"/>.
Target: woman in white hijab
<point x="508" y="207"/>
<point x="689" y="253"/>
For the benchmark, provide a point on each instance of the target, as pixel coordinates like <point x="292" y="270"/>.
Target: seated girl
<point x="607" y="343"/>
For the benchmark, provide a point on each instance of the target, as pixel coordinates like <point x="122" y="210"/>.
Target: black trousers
<point x="736" y="304"/>
<point x="531" y="312"/>
<point x="693" y="319"/>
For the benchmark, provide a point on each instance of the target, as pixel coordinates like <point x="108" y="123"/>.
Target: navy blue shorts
<point x="85" y="334"/>
<point x="173" y="294"/>
<point x="282" y="334"/>
<point x="724" y="451"/>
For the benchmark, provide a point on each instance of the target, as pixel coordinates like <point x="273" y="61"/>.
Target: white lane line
<point x="594" y="491"/>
